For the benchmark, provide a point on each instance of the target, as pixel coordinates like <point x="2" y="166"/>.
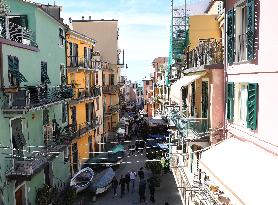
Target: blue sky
<point x="144" y="27"/>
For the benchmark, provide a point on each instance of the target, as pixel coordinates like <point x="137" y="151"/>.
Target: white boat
<point x="82" y="179"/>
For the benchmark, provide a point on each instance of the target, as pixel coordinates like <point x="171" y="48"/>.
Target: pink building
<point x="245" y="165"/>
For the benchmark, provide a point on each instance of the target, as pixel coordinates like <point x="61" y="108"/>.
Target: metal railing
<point x="32" y="97"/>
<point x="208" y="52"/>
<point x="84" y="93"/>
<point x="74" y="131"/>
<point x="199" y="127"/>
<point x="17" y="33"/>
<point x="79" y="62"/>
<point x="110" y="89"/>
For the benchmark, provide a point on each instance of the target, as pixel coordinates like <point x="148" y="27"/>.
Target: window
<point x="241" y="27"/>
<point x="64" y="113"/>
<point x="230" y="101"/>
<point x="44" y="76"/>
<point x="96" y="79"/>
<point x="242" y="97"/>
<point x="15" y="77"/>
<point x="66" y="154"/>
<point x="252" y="108"/>
<point x="112" y="79"/>
<point x="97" y="102"/>
<point x="61" y="37"/>
<point x="147" y="82"/>
<point x="63" y="75"/>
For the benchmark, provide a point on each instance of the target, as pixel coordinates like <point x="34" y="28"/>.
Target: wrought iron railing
<point x="17" y="33"/>
<point x="79" y="62"/>
<point x="110" y="89"/>
<point x="208" y="52"/>
<point x="32" y="97"/>
<point x="84" y="93"/>
<point x="187" y="126"/>
<point x="112" y="109"/>
<point x="74" y="131"/>
<point x="26" y="168"/>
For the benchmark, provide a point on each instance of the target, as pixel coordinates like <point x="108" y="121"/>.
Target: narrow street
<point x="167" y="192"/>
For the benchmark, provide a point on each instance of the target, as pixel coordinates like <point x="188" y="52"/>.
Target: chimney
<point x="90" y="18"/>
<point x="82" y="18"/>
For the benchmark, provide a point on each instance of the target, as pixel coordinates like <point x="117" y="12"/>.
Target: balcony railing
<point x="110" y="89"/>
<point x="26" y="168"/>
<point x="190" y="128"/>
<point x="83" y="93"/>
<point x="75" y="131"/>
<point x="112" y="109"/>
<point x="17" y="33"/>
<point x="34" y="97"/>
<point x="208" y="52"/>
<point x="79" y="62"/>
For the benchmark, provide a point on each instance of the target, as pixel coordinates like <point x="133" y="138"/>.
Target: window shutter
<point x="250" y="29"/>
<point x="11" y="62"/>
<point x="252" y="106"/>
<point x="230" y="101"/>
<point x="24" y="21"/>
<point x="16" y="64"/>
<point x="230" y="36"/>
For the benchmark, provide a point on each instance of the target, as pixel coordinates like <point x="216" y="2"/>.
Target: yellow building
<point x="84" y="117"/>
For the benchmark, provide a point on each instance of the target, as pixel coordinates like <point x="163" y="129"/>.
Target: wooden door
<point x="19" y="197"/>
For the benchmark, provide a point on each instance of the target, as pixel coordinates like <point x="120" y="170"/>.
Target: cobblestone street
<point x="167" y="192"/>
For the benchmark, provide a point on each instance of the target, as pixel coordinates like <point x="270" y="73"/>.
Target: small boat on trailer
<point x="82" y="179"/>
<point x="102" y="181"/>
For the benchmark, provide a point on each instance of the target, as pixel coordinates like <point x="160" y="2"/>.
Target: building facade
<point x="84" y="121"/>
<point x="32" y="100"/>
<point x="106" y="33"/>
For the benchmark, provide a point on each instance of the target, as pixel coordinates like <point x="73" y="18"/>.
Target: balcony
<point x="29" y="166"/>
<point x="75" y="131"/>
<point x="79" y="62"/>
<point x="13" y="32"/>
<point x="23" y="99"/>
<point x="81" y="94"/>
<point x="190" y="128"/>
<point x="208" y="52"/>
<point x="110" y="89"/>
<point x="112" y="109"/>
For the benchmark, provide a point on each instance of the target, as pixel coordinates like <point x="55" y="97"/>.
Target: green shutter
<point x="230" y="36"/>
<point x="44" y="77"/>
<point x="11" y="62"/>
<point x="24" y="21"/>
<point x="250" y="29"/>
<point x="230" y="101"/>
<point x="251" y="118"/>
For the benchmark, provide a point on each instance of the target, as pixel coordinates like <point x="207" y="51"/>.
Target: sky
<point x="144" y="27"/>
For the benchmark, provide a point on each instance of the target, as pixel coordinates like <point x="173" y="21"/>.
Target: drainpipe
<point x="225" y="72"/>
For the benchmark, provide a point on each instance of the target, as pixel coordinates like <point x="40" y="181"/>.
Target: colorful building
<point x="250" y="147"/>
<point x="33" y="95"/>
<point x="107" y="45"/>
<point x="148" y="96"/>
<point x="84" y="122"/>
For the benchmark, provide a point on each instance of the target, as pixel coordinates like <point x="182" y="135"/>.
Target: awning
<point x="246" y="173"/>
<point x="175" y="93"/>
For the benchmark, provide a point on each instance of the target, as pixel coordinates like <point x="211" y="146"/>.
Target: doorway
<point x="20" y="195"/>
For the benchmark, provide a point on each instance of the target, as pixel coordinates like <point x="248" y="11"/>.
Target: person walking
<point x="115" y="185"/>
<point x="142" y="189"/>
<point x="122" y="183"/>
<point x="127" y="180"/>
<point x="141" y="173"/>
<point x="152" y="189"/>
<point x="132" y="176"/>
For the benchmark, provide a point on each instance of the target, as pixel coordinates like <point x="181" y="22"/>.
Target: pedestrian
<point x="141" y="173"/>
<point x="122" y="183"/>
<point x="132" y="176"/>
<point x="142" y="189"/>
<point x="152" y="189"/>
<point x="127" y="180"/>
<point x="115" y="185"/>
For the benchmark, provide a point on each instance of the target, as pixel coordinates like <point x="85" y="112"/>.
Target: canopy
<point x="118" y="148"/>
<point x="245" y="172"/>
<point x="175" y="93"/>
